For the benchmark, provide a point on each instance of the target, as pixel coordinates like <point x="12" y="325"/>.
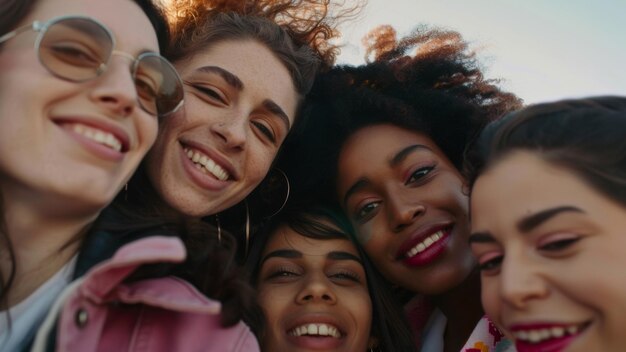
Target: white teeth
<point x="316" y="330"/>
<point x="206" y="164"/>
<point x="539" y="335"/>
<point x="420" y="247"/>
<point x="557" y="331"/>
<point x="99" y="136"/>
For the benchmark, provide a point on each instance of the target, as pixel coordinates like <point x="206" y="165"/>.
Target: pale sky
<point x="544" y="49"/>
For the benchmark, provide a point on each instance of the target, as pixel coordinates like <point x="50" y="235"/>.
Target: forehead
<point x="131" y="27"/>
<point x="372" y="145"/>
<point x="284" y="237"/>
<point x="263" y="75"/>
<point x="522" y="183"/>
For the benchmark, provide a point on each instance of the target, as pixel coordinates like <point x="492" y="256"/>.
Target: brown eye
<point x="419" y="174"/>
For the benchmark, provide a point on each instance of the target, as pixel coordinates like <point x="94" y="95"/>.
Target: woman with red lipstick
<point x="550" y="259"/>
<point x="317" y="290"/>
<point x="394" y="134"/>
<point x="82" y="88"/>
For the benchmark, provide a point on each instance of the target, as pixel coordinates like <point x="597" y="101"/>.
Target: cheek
<point x="258" y="163"/>
<point x="490" y="299"/>
<point x="147" y="130"/>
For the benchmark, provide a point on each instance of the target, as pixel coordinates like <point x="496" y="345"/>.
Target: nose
<point x="521" y="282"/>
<point x="115" y="89"/>
<point x="316" y="289"/>
<point x="231" y="130"/>
<point x="403" y="211"/>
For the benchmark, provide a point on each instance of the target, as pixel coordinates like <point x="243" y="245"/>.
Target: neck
<point x="462" y="308"/>
<point x="44" y="235"/>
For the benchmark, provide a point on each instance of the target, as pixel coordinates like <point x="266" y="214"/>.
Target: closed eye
<point x="211" y="93"/>
<point x="558" y="245"/>
<point x="346" y="275"/>
<point x="266" y="131"/>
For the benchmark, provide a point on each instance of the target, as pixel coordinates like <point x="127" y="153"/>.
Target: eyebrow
<point x="278" y="111"/>
<point x="282" y="253"/>
<point x="532" y="221"/>
<point x="294" y="254"/>
<point x="395" y="160"/>
<point x="526" y="224"/>
<point x="358" y="185"/>
<point x="402" y="154"/>
<point x="340" y="255"/>
<point x="231" y="79"/>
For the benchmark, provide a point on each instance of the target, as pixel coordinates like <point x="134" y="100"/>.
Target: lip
<point x="91" y="145"/>
<point x="552" y="344"/>
<point x="316" y="343"/>
<point x="431" y="253"/>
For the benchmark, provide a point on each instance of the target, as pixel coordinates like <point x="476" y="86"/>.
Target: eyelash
<point x="558" y="245"/>
<point x="346" y="275"/>
<point x="492" y="265"/>
<point x="282" y="272"/>
<point x="210" y="93"/>
<point x="265" y="130"/>
<point x="419" y="174"/>
<point x="367" y="209"/>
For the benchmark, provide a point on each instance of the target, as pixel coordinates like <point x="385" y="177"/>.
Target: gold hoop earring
<point x="219" y="229"/>
<point x="288" y="191"/>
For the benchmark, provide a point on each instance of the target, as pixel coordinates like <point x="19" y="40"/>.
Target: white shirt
<point x="27" y="315"/>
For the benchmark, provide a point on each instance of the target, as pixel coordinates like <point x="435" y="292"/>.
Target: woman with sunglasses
<point x="82" y="87"/>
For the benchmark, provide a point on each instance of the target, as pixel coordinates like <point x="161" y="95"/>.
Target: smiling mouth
<point x="205" y="164"/>
<point x="316" y="330"/>
<point x="99" y="136"/>
<point x="426" y="243"/>
<point x="548" y="335"/>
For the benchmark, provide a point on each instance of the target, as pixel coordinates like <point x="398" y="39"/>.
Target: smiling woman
<point x="318" y="292"/>
<point x="81" y="90"/>
<point x="548" y="258"/>
<point x="394" y="134"/>
<point x="245" y="75"/>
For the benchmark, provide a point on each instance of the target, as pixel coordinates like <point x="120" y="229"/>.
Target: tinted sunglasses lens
<point x="75" y="49"/>
<point x="158" y="85"/>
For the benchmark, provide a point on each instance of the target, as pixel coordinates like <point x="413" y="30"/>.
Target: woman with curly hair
<point x="246" y="67"/>
<point x="389" y="139"/>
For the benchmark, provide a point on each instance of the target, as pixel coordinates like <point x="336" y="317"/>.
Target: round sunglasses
<point x="78" y="48"/>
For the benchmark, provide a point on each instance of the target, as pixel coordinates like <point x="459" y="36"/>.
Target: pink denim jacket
<point x="100" y="312"/>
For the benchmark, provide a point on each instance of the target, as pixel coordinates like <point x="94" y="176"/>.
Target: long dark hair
<point x="584" y="135"/>
<point x="12" y="12"/>
<point x="389" y="325"/>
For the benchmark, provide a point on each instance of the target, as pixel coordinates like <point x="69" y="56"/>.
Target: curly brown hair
<point x="438" y="90"/>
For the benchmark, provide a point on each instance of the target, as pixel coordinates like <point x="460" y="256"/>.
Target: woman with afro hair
<point x="385" y="142"/>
